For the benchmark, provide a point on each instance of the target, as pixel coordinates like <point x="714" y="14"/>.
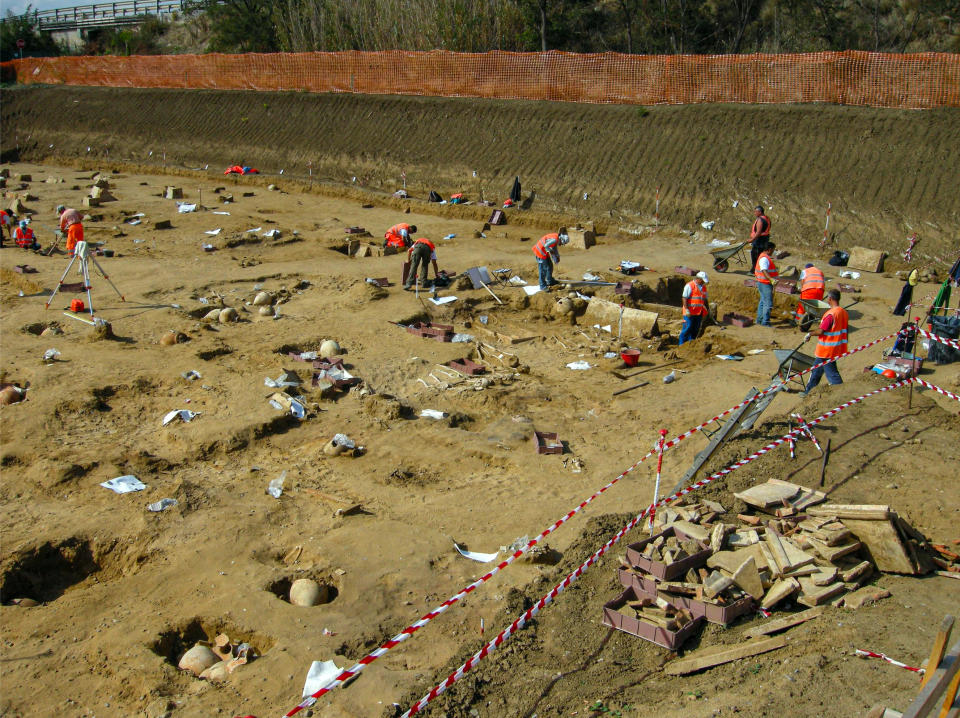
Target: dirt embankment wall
<point x="886" y="172"/>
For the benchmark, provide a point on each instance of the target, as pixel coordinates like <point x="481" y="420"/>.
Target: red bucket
<point x="630" y="356"/>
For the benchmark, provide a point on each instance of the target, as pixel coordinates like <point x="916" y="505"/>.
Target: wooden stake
<point x="630" y="388"/>
<point x="823" y="464"/>
<point x="939" y="646"/>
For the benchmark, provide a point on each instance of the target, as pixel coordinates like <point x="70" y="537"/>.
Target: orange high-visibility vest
<point x="74" y="235"/>
<point x="758" y="229"/>
<point x="422" y="240"/>
<point x="834" y="342"/>
<point x="23" y="237"/>
<point x="395" y="238"/>
<point x="697" y="300"/>
<point x="812" y="280"/>
<point x="772" y="271"/>
<point x="546" y="245"/>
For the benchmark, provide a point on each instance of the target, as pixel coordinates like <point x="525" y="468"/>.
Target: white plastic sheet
<point x="124" y="484"/>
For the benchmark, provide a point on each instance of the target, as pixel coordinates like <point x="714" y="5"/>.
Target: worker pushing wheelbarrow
<point x="814" y="309"/>
<point x="722" y="257"/>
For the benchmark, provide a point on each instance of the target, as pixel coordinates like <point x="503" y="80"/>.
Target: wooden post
<point x="939" y="646"/>
<point x="823" y="464"/>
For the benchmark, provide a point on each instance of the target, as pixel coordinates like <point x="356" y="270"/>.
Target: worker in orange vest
<point x="70" y="223"/>
<point x="421" y="252"/>
<point x="811" y="287"/>
<point x="695" y="306"/>
<point x="831" y="342"/>
<point x="765" y="273"/>
<point x="399" y="235"/>
<point x="24" y="236"/>
<point x="547" y="252"/>
<point x="759" y="234"/>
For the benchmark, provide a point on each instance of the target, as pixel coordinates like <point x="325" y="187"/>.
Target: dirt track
<point x="125" y="590"/>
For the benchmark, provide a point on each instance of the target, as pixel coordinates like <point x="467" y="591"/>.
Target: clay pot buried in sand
<point x="329" y="348"/>
<point x="563" y="306"/>
<point x="262" y="299"/>
<point x="10" y="395"/>
<point x="171" y="338"/>
<point x="198" y="659"/>
<point x="24" y="602"/>
<point x="213" y="315"/>
<point x="335" y="448"/>
<point x="217" y="673"/>
<point x="307" y="592"/>
<point x="265" y="311"/>
<point x="227" y="315"/>
<point x="50" y="331"/>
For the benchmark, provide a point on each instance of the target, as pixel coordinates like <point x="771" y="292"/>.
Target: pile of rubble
<point x="698" y="565"/>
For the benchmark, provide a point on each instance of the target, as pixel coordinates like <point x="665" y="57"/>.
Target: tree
<point x="21" y="27"/>
<point x="242" y="26"/>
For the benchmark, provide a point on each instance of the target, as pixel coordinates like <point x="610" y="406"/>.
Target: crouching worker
<point x="399" y="235"/>
<point x="24" y="236"/>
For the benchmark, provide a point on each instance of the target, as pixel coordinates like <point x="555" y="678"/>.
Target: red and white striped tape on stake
<point x="349" y="673"/>
<point x="937" y="388"/>
<point x="521" y="621"/>
<point x="888" y="659"/>
<point x="941" y="340"/>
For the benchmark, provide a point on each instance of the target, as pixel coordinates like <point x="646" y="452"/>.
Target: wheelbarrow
<point x="813" y="311"/>
<point x="722" y="257"/>
<point x="791" y="363"/>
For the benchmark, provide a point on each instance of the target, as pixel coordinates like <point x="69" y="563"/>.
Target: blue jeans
<point x="545" y="267"/>
<point x="833" y="375"/>
<point x="765" y="305"/>
<point x="691" y="326"/>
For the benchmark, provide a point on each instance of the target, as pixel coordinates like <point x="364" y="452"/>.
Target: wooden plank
<point x="813" y="595"/>
<point x="883" y="542"/>
<point x="853" y="511"/>
<point x="950" y="695"/>
<point x="778" y="552"/>
<point x="930" y="694"/>
<point x="722" y="654"/>
<point x="768" y="494"/>
<point x="948" y="574"/>
<point x="784" y="623"/>
<point x="939" y="646"/>
<point x="832" y="553"/>
<point x="823" y="464"/>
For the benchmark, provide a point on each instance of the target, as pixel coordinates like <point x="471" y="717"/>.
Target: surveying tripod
<point x="82" y="252"/>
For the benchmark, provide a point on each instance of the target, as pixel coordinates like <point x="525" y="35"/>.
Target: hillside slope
<point x="887" y="172"/>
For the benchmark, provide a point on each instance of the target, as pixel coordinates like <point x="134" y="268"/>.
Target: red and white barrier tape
<point x="776" y="387"/>
<point x="518" y="623"/>
<point x="888" y="659"/>
<point x="941" y="340"/>
<point x="937" y="388"/>
<point x="349" y="673"/>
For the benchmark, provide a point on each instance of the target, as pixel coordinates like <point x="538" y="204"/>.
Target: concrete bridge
<point x="68" y="24"/>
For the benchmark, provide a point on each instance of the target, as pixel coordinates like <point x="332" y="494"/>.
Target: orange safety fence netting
<point x="915" y="81"/>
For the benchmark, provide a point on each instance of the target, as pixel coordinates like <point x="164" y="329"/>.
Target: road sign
<point x="21" y="43"/>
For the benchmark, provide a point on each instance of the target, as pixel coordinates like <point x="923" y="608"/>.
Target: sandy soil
<point x="124" y="591"/>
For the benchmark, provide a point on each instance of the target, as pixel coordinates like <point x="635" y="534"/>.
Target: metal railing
<point x="125" y="12"/>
